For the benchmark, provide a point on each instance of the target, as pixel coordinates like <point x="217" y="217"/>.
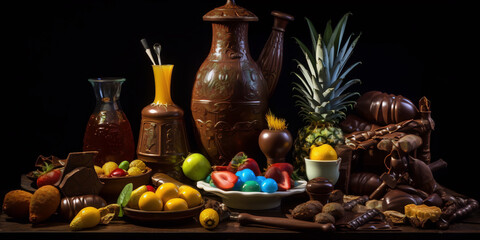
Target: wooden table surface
<point x="469" y="228"/>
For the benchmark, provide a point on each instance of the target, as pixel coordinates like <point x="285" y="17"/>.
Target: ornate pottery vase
<point x="230" y="94"/>
<point x="108" y="130"/>
<point x="162" y="141"/>
<point x="275" y="144"/>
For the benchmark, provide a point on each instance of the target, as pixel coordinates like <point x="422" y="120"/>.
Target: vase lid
<point x="230" y="12"/>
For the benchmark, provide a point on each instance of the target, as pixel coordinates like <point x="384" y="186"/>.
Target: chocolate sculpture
<point x="393" y="125"/>
<point x="229" y="97"/>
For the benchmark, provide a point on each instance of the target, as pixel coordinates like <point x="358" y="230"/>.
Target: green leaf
<point x="305" y="84"/>
<point x="349" y="69"/>
<point x="347" y="85"/>
<point x="313" y="34"/>
<point x="328" y="30"/>
<point x="308" y="57"/>
<point x="337" y="33"/>
<point x="124" y="197"/>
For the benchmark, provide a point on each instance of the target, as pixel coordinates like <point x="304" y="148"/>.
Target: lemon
<point x="108" y="168"/>
<point x="176" y="204"/>
<point x="134" y="171"/>
<point x="167" y="191"/>
<point x="149" y="201"/>
<point x="139" y="164"/>
<point x="209" y="218"/>
<point x="323" y="152"/>
<point x="135" y="196"/>
<point x="191" y="195"/>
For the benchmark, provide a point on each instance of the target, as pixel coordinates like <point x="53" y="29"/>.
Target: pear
<point x="135" y="196"/>
<point x="88" y="217"/>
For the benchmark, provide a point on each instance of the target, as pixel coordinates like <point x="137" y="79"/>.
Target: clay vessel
<point x="231" y="90"/>
<point x="275" y="144"/>
<point x="162" y="141"/>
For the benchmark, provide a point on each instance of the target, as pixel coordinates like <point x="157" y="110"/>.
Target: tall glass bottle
<point x="108" y="130"/>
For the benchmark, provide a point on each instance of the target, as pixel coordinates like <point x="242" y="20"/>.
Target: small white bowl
<point x="252" y="200"/>
<point x="329" y="169"/>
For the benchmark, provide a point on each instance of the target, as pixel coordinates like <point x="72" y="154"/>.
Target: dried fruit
<point x="334" y="209"/>
<point x="138" y="163"/>
<point x="394" y="216"/>
<point x="134" y="171"/>
<point x="324" y="218"/>
<point x="44" y="203"/>
<point x="109" y="212"/>
<point x="16" y="204"/>
<point x="307" y="210"/>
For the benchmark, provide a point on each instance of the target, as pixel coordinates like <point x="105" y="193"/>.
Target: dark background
<point x="51" y="48"/>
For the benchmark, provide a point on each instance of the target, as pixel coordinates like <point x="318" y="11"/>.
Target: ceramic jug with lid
<point x="231" y="90"/>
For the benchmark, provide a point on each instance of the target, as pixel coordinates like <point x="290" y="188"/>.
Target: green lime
<point x="196" y="167"/>
<point x="124" y="165"/>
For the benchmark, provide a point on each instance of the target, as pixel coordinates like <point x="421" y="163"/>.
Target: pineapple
<point x="321" y="93"/>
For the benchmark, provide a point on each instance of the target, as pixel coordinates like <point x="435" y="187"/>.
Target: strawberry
<point x="286" y="182"/>
<point x="283" y="179"/>
<point x="220" y="168"/>
<point x="275" y="173"/>
<point x="48" y="176"/>
<point x="283" y="167"/>
<point x="241" y="161"/>
<point x="224" y="180"/>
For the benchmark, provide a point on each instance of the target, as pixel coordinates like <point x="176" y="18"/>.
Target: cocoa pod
<point x="383" y="109"/>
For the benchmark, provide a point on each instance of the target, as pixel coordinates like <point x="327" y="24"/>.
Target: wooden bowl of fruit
<point x="166" y="203"/>
<point x="115" y="176"/>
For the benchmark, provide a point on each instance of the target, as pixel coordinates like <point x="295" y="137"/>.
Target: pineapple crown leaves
<point x="322" y="90"/>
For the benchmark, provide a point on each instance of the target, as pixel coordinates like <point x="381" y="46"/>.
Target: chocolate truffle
<point x="319" y="189"/>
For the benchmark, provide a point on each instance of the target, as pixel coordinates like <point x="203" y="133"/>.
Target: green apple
<point x="196" y="167"/>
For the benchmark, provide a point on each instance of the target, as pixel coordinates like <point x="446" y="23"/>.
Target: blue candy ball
<point x="238" y="185"/>
<point x="260" y="179"/>
<point x="246" y="175"/>
<point x="269" y="185"/>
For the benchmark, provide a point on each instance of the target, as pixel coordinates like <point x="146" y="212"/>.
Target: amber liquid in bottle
<point x="112" y="140"/>
<point x="108" y="129"/>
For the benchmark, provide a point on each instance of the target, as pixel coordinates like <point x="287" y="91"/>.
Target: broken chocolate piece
<point x="348" y="206"/>
<point x="364" y="218"/>
<point x="471" y="206"/>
